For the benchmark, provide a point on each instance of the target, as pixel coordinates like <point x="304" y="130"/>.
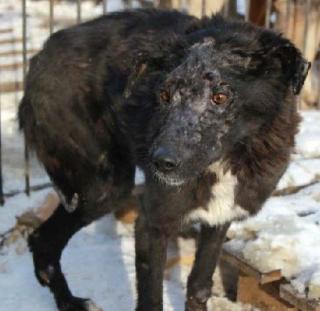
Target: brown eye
<point x="219" y="99"/>
<point x="165" y="96"/>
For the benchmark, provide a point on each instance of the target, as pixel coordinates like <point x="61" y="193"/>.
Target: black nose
<point x="164" y="160"/>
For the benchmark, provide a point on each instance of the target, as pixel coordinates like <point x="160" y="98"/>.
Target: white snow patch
<point x="284" y="235"/>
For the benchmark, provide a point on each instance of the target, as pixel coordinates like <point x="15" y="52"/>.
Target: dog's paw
<point x="92" y="306"/>
<point x="79" y="304"/>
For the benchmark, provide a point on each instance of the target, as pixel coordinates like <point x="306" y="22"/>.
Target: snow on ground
<point x="286" y="233"/>
<point x="98" y="263"/>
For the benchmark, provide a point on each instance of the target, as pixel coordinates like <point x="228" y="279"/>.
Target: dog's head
<point x="227" y="89"/>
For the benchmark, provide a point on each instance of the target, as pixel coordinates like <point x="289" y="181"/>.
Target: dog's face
<point x="217" y="98"/>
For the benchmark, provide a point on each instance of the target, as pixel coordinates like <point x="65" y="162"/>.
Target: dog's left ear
<point x="294" y="66"/>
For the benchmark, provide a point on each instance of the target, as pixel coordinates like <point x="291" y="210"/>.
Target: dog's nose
<point x="164" y="160"/>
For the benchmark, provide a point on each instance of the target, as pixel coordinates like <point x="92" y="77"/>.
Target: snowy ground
<point x="99" y="260"/>
<point x="98" y="263"/>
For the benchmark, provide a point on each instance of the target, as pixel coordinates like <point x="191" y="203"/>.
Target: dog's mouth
<point x="167" y="179"/>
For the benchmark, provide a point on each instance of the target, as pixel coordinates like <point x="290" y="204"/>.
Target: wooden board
<point x="11" y="40"/>
<point x="11" y="66"/>
<point x="6" y="30"/>
<point x="8" y="87"/>
<point x="265" y="297"/>
<point x="288" y="293"/>
<point x="17" y="52"/>
<point x="240" y="263"/>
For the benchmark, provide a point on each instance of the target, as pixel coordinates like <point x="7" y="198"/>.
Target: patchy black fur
<point x="136" y="89"/>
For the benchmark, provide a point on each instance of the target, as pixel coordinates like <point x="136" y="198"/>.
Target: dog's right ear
<point x="301" y="73"/>
<point x="294" y="66"/>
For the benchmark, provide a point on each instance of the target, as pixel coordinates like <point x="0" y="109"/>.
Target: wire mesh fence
<point x="298" y="20"/>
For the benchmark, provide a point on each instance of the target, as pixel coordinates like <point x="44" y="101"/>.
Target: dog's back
<point x="72" y="102"/>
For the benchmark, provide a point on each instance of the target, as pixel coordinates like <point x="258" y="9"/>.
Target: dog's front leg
<point x="200" y="279"/>
<point x="151" y="248"/>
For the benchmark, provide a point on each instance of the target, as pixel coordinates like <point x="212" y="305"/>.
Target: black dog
<point x="205" y="107"/>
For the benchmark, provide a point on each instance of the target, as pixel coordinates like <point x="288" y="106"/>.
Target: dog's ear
<point x="293" y="65"/>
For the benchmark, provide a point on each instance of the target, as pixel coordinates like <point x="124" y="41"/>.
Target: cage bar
<point x="307" y="5"/>
<point x="268" y="13"/>
<point x="79" y="11"/>
<point x="24" y="56"/>
<point x="1" y="177"/>
<point x="105" y="6"/>
<point x="247" y="13"/>
<point x="288" y="12"/>
<point x="226" y="8"/>
<point x="51" y="17"/>
<point x="203" y="7"/>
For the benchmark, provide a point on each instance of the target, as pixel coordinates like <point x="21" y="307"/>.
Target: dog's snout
<point x="164" y="160"/>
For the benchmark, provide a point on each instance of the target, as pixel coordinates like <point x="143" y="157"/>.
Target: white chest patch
<point x="221" y="208"/>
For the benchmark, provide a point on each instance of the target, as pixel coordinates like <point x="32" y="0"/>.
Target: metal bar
<point x="226" y="8"/>
<point x="307" y="5"/>
<point x="203" y="8"/>
<point x="1" y="177"/>
<point x="105" y="6"/>
<point x="288" y="11"/>
<point x="268" y="13"/>
<point x="24" y="56"/>
<point x="51" y="23"/>
<point x="247" y="15"/>
<point x="79" y="11"/>
<point x="317" y="34"/>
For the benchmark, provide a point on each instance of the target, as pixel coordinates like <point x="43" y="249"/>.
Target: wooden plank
<point x="265" y="297"/>
<point x="238" y="262"/>
<point x="10" y="66"/>
<point x="288" y="293"/>
<point x="6" y="30"/>
<point x="17" y="52"/>
<point x="9" y="87"/>
<point x="11" y="40"/>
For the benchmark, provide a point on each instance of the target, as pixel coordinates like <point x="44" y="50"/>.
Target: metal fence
<point x="293" y="17"/>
